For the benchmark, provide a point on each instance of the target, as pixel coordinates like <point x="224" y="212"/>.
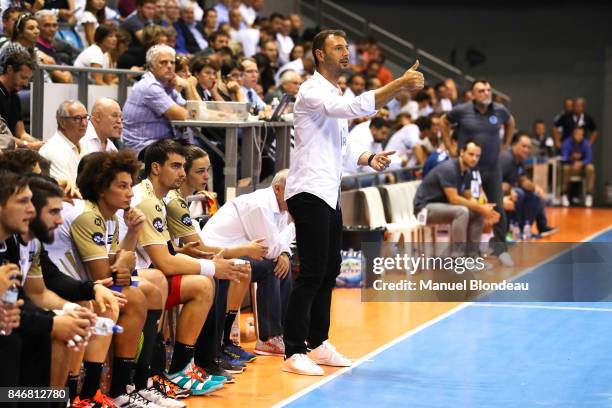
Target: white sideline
<point x="368" y="357"/>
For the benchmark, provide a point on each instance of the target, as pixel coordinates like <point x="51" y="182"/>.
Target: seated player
<point x="189" y="279"/>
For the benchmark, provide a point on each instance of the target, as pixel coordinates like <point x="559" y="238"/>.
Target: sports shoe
<point x="230" y="364"/>
<point x="506" y="260"/>
<point x="132" y="399"/>
<point x="100" y="400"/>
<point x="159" y="397"/>
<point x="326" y="354"/>
<point x="565" y="201"/>
<point x="274" y="346"/>
<point x="214" y="368"/>
<point x="205" y="374"/>
<point x="169" y="388"/>
<point x="301" y="364"/>
<point x="190" y="380"/>
<point x="238" y="352"/>
<point x="588" y="201"/>
<point x="546" y="231"/>
<point x="82" y="403"/>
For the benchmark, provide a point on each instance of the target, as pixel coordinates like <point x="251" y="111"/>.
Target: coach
<point x="321" y="116"/>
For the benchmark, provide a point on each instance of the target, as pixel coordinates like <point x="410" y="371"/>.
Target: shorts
<point x="174" y="291"/>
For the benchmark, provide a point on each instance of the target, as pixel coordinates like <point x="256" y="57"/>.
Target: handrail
<point x="357" y="177"/>
<point x="117" y="71"/>
<point x="436" y="67"/>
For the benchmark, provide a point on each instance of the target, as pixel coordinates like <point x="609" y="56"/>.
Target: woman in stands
<point x="97" y="54"/>
<point x="92" y="17"/>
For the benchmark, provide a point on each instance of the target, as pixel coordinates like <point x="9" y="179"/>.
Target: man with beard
<point x="105" y="125"/>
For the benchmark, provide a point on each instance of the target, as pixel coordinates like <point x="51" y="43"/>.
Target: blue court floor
<point x="487" y="354"/>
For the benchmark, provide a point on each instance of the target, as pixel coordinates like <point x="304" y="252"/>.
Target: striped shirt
<point x="143" y="114"/>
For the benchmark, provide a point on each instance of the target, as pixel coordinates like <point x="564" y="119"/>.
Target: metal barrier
<point x="399" y="51"/>
<point x="355" y="180"/>
<point x="82" y="81"/>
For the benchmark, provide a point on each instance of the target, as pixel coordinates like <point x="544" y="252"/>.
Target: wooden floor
<point x="359" y="328"/>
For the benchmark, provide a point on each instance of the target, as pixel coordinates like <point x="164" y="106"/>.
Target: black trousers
<point x="319" y="240"/>
<point x="492" y="186"/>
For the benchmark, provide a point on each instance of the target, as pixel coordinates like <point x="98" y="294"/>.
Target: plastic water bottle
<point x="516" y="233"/>
<point x="274" y="104"/>
<point x="527" y="232"/>
<point x="9" y="299"/>
<point x="105" y="327"/>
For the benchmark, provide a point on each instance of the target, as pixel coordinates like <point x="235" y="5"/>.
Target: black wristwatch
<point x="371" y="158"/>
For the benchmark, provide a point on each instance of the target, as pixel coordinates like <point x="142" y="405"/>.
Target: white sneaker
<point x="588" y="201"/>
<point x="326" y="354"/>
<point x="156" y="396"/>
<point x="301" y="364"/>
<point x="132" y="399"/>
<point x="506" y="260"/>
<point x="565" y="201"/>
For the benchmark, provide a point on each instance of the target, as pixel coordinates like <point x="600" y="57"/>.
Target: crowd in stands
<point x="100" y="220"/>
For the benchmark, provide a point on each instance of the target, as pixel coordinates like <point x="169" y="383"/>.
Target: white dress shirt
<point x="248" y="14"/>
<point x="320" y="118"/>
<point x="360" y="140"/>
<point x="249" y="38"/>
<point x="296" y="65"/>
<point x="63" y="155"/>
<point x="248" y="217"/>
<point x="285" y="45"/>
<point x="403" y="142"/>
<point x="91" y="143"/>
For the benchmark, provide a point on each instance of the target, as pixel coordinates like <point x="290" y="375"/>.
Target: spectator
<point x="190" y="30"/>
<point x="123" y="44"/>
<point x="136" y="22"/>
<point x="290" y="82"/>
<point x="94" y="15"/>
<point x="154" y="101"/>
<point x="403" y="142"/>
<point x="568" y="107"/>
<point x="171" y="12"/>
<point x="228" y="83"/>
<point x="296" y="28"/>
<point x="16" y="66"/>
<point x="250" y="10"/>
<point x="205" y="70"/>
<point x="135" y="57"/>
<point x="47" y="22"/>
<point x="97" y="55"/>
<point x="247" y="36"/>
<point x="577" y="118"/>
<point x="529" y="205"/>
<point x="451" y="87"/>
<point x="268" y="66"/>
<point x="444" y="102"/>
<point x="450" y="194"/>
<point x="160" y="13"/>
<point x="216" y="41"/>
<point x="209" y="21"/>
<point x="276" y="22"/>
<point x="430" y="138"/>
<point x="104" y="126"/>
<point x="249" y="80"/>
<point x="467" y="96"/>
<point x="284" y="42"/>
<point x="62" y="149"/>
<point x="577" y="156"/>
<point x="482" y="120"/>
<point x="9" y="17"/>
<point x="373" y="83"/>
<point x="356" y="86"/>
<point x="365" y="138"/>
<point x="543" y="142"/>
<point x="302" y="64"/>
<point x="222" y="8"/>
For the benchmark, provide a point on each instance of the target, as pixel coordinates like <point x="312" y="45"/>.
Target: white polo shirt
<point x="321" y="116"/>
<point x="91" y="143"/>
<point x="63" y="155"/>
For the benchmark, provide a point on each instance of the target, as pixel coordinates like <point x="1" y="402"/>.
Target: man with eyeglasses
<point x="249" y="80"/>
<point x="105" y="125"/>
<point x="62" y="149"/>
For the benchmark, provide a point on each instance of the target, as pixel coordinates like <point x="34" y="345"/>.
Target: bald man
<point x="105" y="124"/>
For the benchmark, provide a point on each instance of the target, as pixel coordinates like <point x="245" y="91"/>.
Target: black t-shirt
<point x="569" y="121"/>
<point x="10" y="108"/>
<point x="511" y="170"/>
<point x="445" y="175"/>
